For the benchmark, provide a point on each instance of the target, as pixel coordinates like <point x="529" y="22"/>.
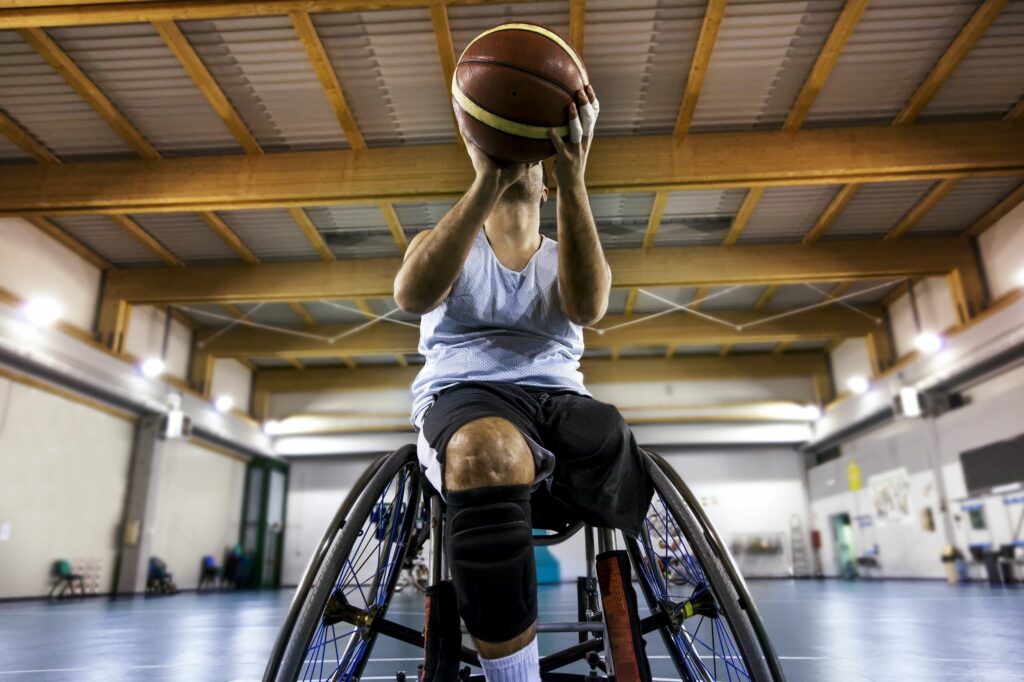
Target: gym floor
<point x="834" y="631"/>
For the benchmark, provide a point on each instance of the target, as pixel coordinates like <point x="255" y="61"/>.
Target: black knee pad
<point x="491" y="551"/>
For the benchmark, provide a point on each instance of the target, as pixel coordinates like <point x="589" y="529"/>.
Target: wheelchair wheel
<point x="335" y="629"/>
<point x="708" y="620"/>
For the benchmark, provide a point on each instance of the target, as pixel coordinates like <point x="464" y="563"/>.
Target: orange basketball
<point x="512" y="83"/>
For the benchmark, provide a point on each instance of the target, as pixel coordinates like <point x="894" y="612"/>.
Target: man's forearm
<point x="584" y="278"/>
<point x="433" y="266"/>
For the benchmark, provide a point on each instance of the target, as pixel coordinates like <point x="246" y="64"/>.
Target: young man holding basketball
<point x="507" y="431"/>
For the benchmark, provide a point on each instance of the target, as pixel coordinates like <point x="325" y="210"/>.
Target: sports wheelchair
<point x="697" y="601"/>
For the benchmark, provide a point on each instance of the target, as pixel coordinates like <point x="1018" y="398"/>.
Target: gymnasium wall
<point x="63" y="475"/>
<point x="1002" y="251"/>
<point x="907" y="549"/>
<point x="748" y="492"/>
<point x="198" y="509"/>
<point x="145" y="339"/>
<point x="33" y="264"/>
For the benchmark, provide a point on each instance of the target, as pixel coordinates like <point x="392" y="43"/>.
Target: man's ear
<point x="543" y="194"/>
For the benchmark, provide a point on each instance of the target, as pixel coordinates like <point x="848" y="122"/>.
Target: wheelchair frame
<point x="590" y="626"/>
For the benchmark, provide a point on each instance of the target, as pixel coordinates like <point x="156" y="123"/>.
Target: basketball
<point x="512" y="83"/>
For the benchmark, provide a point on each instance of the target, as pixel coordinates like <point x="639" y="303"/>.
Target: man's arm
<point x="435" y="258"/>
<point x="584" y="278"/>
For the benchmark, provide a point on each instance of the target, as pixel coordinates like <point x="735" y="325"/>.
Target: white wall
<point x="234" y="379"/>
<point x="935" y="309"/>
<point x="199" y="508"/>
<point x="146" y="336"/>
<point x="850" y="359"/>
<point x="1002" y="252"/>
<point x="33" y="264"/>
<point x="749" y="491"/>
<point x="908" y="550"/>
<point x="63" y="477"/>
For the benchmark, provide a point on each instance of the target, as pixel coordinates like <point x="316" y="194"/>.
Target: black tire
<point x="731" y="605"/>
<point x="401" y="463"/>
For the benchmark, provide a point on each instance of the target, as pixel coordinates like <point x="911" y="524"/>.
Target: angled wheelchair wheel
<point x="705" y="615"/>
<point x="342" y="602"/>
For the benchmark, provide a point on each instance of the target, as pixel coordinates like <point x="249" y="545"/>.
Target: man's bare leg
<point x="486" y="455"/>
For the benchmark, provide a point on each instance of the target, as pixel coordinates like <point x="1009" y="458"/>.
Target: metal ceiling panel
<point x="747" y="348"/>
<point x="423" y="215"/>
<point x="335" y="312"/>
<point x="469" y="21"/>
<point x="265" y="72"/>
<point x="595" y="353"/>
<point x="384" y="306"/>
<point x="808" y="345"/>
<point x="763" y="55"/>
<point x="990" y="79"/>
<point x="617" y="301"/>
<point x="271" y="234"/>
<point x="739" y="297"/>
<point x="273" y="314"/>
<point x="786" y="214"/>
<point x="870" y="291"/>
<point x="388" y="65"/>
<point x="270" y="363"/>
<point x="698" y="217"/>
<point x="969" y="201"/>
<point x="322" y="362"/>
<point x="697" y="350"/>
<point x="43" y="103"/>
<point x="798" y="295"/>
<point x="876" y="208"/>
<point x="187" y="236"/>
<point x="895" y="45"/>
<point x="643" y="352"/>
<point x="376" y="360"/>
<point x="207" y="315"/>
<point x="107" y="239"/>
<point x="621" y="218"/>
<point x="646" y="303"/>
<point x="354" y="231"/>
<point x="131" y="65"/>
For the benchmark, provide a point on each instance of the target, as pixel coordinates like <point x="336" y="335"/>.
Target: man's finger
<point x="556" y="141"/>
<point x="588" y="112"/>
<point x="575" y="127"/>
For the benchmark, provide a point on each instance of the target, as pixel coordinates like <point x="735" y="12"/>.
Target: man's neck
<point x="514" y="227"/>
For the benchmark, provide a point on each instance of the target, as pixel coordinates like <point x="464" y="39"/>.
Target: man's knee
<point x="487" y="452"/>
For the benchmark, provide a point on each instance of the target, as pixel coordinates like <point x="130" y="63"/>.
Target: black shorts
<point x="589" y="467"/>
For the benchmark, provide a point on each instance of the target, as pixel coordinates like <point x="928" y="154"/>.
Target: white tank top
<point x="498" y="325"/>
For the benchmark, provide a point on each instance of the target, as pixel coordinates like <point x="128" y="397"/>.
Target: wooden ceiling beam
<point x="627" y="370"/>
<point x="676" y="330"/>
<point x="147" y="240"/>
<point x="972" y="31"/>
<point x="24" y="140"/>
<point x="84" y="86"/>
<point x="691" y="266"/>
<point x="739" y="221"/>
<point x="321" y="62"/>
<point x="60" y="235"/>
<point x="394" y="224"/>
<point x="303" y="314"/>
<point x="445" y="52"/>
<point x="713" y="15"/>
<point x="995" y="214"/>
<point x="577" y="24"/>
<point x="305" y="224"/>
<point x="617" y="164"/>
<point x="841" y="31"/>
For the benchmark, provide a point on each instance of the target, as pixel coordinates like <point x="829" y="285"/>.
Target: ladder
<point x="800" y="560"/>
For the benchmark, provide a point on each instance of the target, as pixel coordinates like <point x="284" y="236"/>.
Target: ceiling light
<point x="152" y="367"/>
<point x="812" y="412"/>
<point x="1020" y="277"/>
<point x="271" y="426"/>
<point x="928" y="342"/>
<point x="858" y="384"/>
<point x="224" y="403"/>
<point x="42" y="311"/>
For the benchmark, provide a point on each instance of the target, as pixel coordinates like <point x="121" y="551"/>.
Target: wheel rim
<point x="705" y="647"/>
<point x="341" y="643"/>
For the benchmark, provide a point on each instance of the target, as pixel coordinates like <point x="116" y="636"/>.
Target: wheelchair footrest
<point x="442" y="635"/>
<point x="618" y="600"/>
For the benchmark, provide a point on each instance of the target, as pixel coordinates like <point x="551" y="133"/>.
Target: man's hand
<point x="491" y="173"/>
<point x="571" y="156"/>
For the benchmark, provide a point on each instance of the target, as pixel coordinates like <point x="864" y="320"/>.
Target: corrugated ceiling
<point x="698" y="217"/>
<point x="786" y="214"/>
<point x="271" y="234"/>
<point x="187" y="236"/>
<point x="876" y="208"/>
<point x="969" y="200"/>
<point x="107" y="239"/>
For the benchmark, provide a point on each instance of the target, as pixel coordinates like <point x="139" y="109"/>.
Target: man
<point x="500" y="403"/>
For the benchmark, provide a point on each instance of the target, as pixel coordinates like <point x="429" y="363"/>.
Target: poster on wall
<point x="890" y="492"/>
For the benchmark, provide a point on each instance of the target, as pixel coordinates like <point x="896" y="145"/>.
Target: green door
<point x="263" y="518"/>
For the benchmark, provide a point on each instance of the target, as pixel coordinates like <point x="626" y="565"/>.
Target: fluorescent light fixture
<point x="42" y="311"/>
<point x="858" y="384"/>
<point x="1020" y="277"/>
<point x="224" y="403"/>
<point x="152" y="367"/>
<point x="271" y="426"/>
<point x="928" y="342"/>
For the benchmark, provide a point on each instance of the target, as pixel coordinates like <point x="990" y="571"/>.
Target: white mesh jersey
<point x="498" y="325"/>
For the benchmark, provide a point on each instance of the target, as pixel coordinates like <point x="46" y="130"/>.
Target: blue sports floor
<point x="824" y="631"/>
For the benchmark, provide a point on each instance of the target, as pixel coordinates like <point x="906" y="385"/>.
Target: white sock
<point x="522" y="666"/>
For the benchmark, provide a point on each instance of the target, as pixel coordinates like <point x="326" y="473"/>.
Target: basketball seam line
<point x="562" y="130"/>
<point x="544" y="32"/>
<point x="530" y="72"/>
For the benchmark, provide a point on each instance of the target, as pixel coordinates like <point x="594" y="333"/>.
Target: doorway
<point x="842" y="538"/>
<point x="263" y="518"/>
